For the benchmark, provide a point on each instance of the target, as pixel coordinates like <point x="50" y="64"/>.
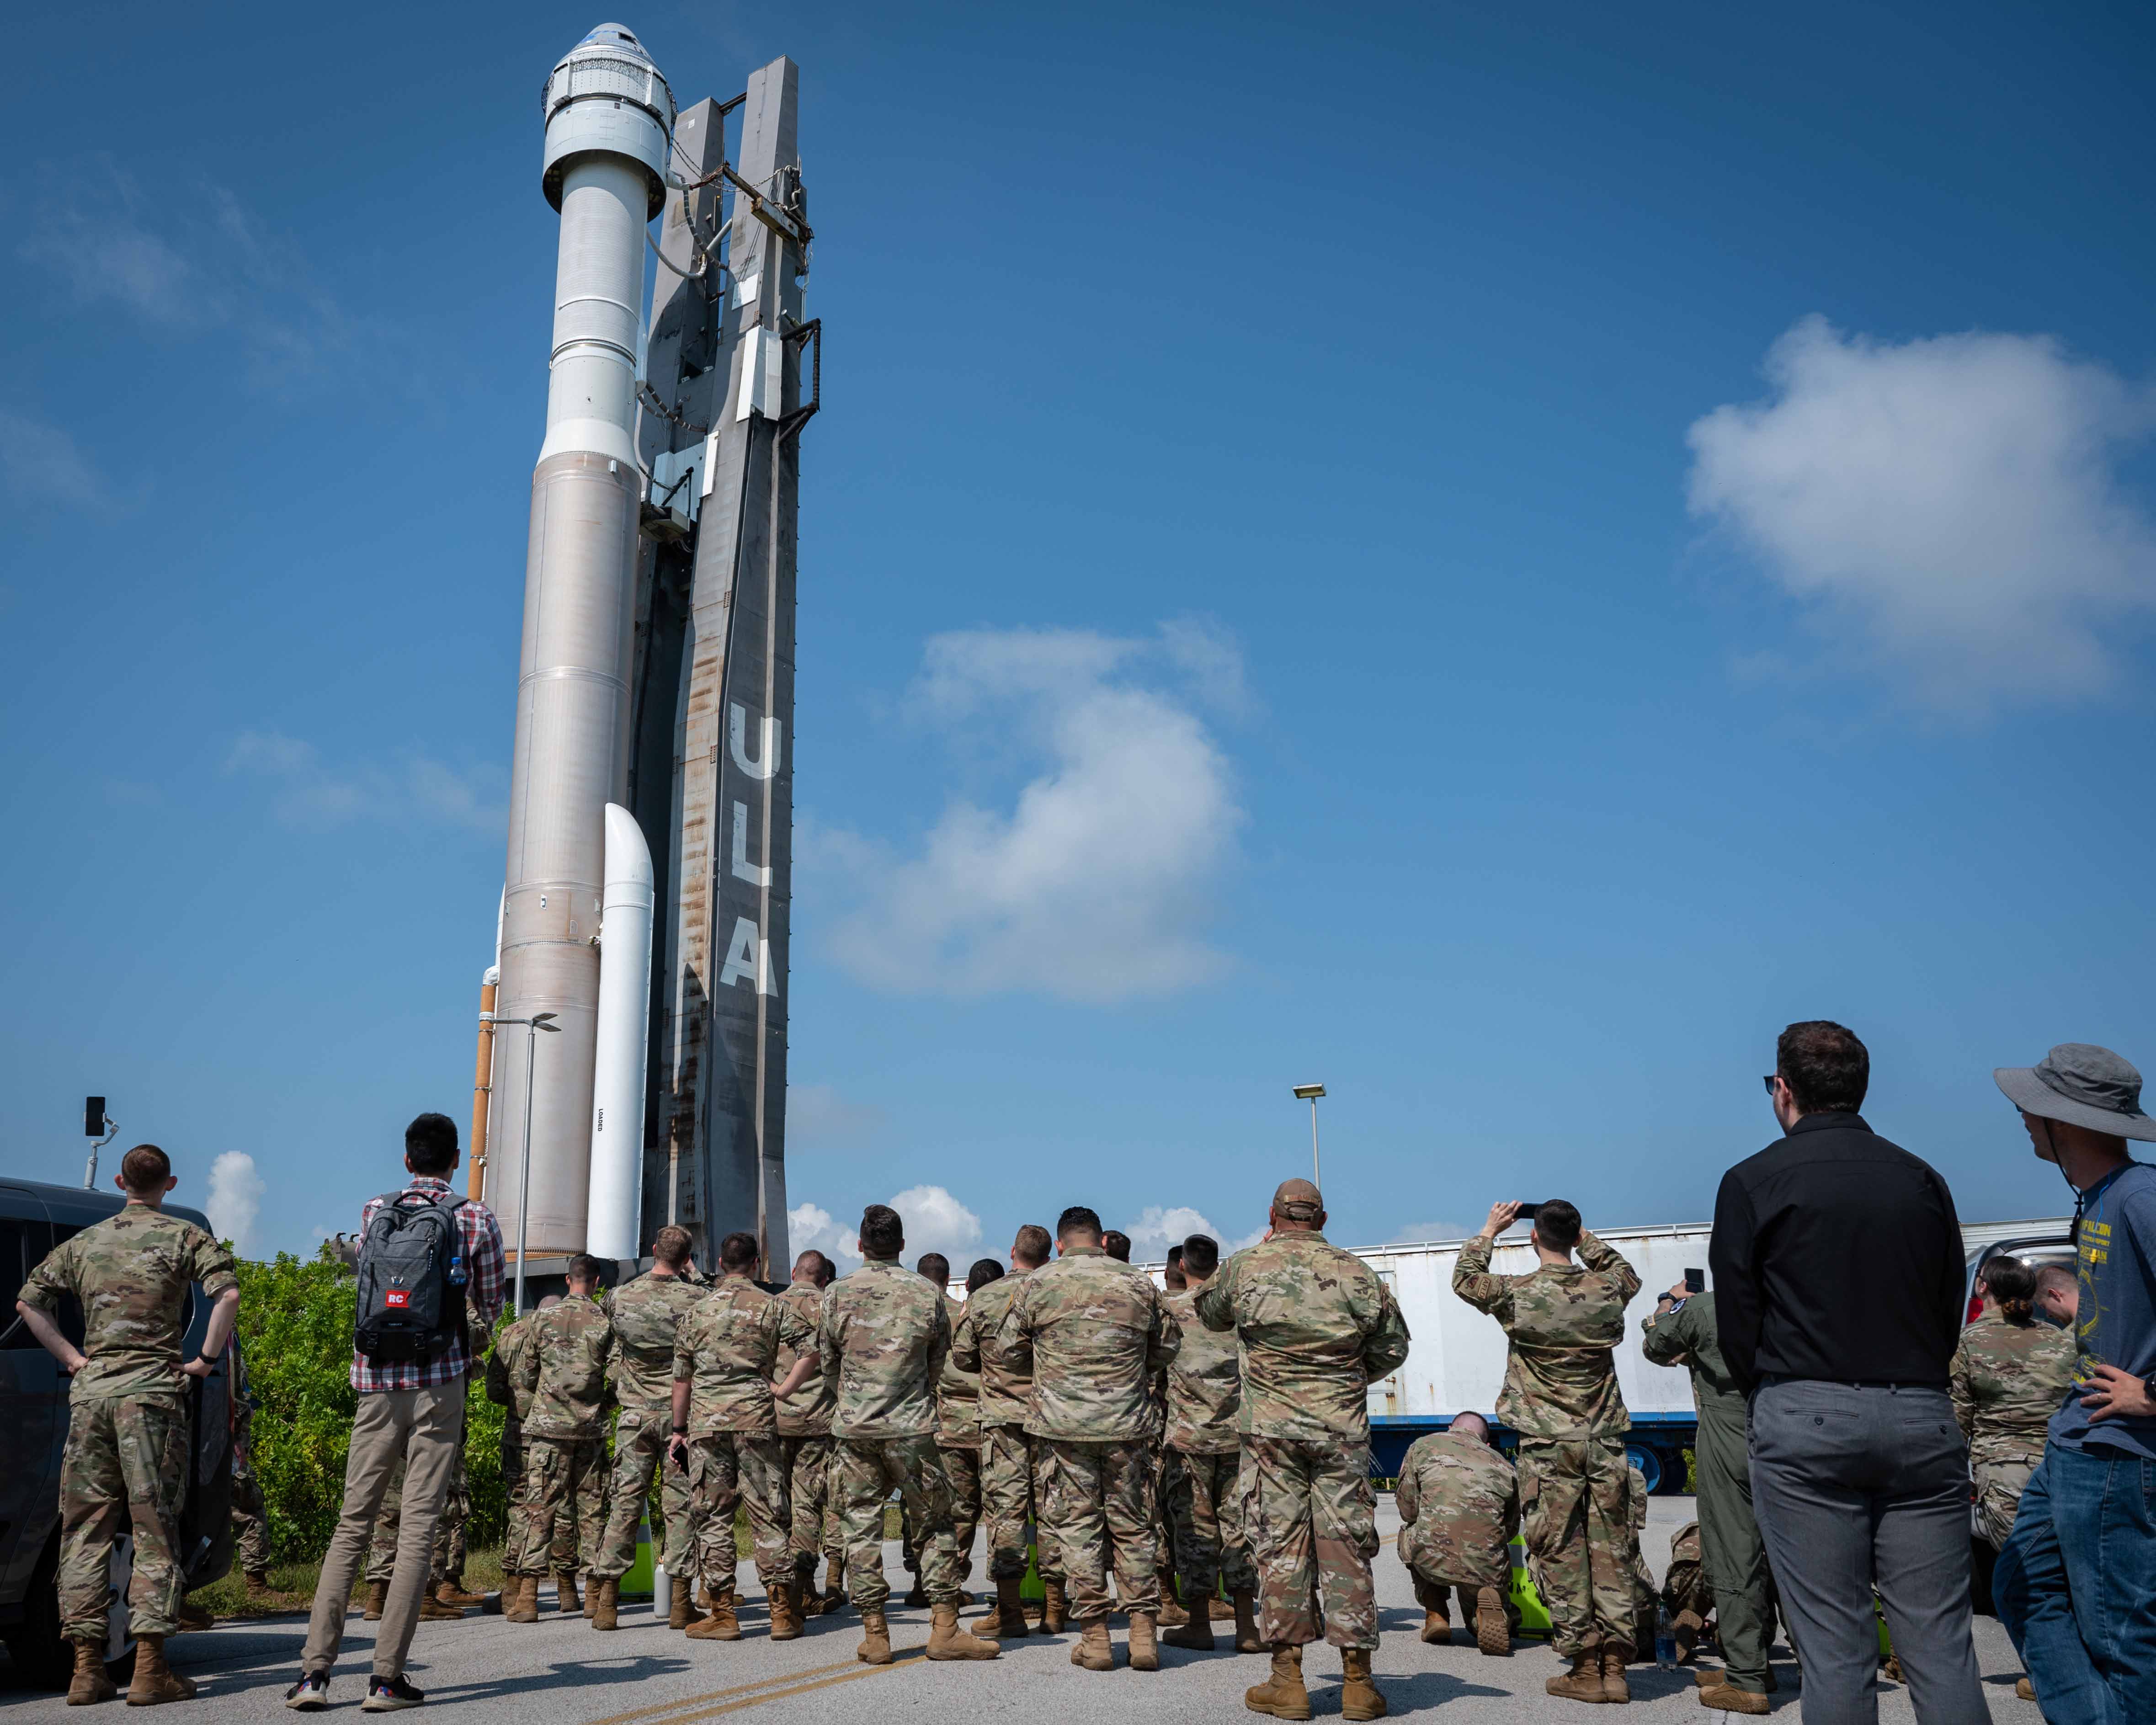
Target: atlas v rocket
<point x="649" y="884"/>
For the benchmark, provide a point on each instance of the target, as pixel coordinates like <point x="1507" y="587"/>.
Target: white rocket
<point x="609" y="118"/>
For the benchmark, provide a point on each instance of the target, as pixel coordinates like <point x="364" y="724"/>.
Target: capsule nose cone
<point x="615" y="36"/>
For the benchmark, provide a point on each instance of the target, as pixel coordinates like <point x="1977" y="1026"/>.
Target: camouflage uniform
<point x="1460" y="1507"/>
<point x="1733" y="1556"/>
<point x="566" y="1369"/>
<point x="805" y="1447"/>
<point x="958" y="1442"/>
<point x="1561" y="1396"/>
<point x="126" y="1456"/>
<point x="447" y="1561"/>
<point x="1203" y="1452"/>
<point x="645" y="1314"/>
<point x="727" y="1350"/>
<point x="509" y="1346"/>
<point x="1095" y="1332"/>
<point x="1012" y="1472"/>
<point x="1685" y="1586"/>
<point x="883" y="1334"/>
<point x="2007" y="1380"/>
<point x="1316" y="1327"/>
<point x="250" y="1515"/>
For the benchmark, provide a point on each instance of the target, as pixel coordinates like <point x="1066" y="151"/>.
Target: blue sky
<point x="1489" y="560"/>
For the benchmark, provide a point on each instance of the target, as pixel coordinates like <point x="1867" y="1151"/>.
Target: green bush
<point x="296" y="1325"/>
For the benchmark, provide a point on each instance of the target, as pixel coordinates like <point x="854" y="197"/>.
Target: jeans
<point x="1857" y="1485"/>
<point x="2076" y="1587"/>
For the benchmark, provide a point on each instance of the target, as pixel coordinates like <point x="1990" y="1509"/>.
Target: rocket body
<point x="608" y="116"/>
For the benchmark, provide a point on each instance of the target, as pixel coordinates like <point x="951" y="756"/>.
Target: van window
<point x="14" y="1270"/>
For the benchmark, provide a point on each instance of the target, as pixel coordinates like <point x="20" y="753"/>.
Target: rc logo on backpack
<point x="412" y="1279"/>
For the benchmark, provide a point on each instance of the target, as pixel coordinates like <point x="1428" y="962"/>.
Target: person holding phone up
<point x="1681" y="1332"/>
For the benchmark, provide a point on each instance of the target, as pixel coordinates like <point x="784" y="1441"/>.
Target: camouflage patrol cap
<point x="1298" y="1200"/>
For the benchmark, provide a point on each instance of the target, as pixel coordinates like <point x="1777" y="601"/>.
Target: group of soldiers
<point x="1107" y="1432"/>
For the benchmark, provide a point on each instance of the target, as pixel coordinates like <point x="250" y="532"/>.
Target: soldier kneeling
<point x="1460" y="1508"/>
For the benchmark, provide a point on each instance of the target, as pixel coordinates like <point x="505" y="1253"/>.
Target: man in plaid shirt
<point x="412" y="1412"/>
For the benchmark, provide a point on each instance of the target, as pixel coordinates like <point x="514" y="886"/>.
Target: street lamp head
<point x="544" y="1021"/>
<point x="1308" y="1092"/>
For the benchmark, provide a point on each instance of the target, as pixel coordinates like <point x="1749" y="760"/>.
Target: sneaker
<point x="309" y="1694"/>
<point x="386" y="1695"/>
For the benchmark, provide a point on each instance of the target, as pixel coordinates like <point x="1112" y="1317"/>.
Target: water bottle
<point x="1665" y="1640"/>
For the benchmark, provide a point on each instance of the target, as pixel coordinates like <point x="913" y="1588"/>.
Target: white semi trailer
<point x="1457" y="1361"/>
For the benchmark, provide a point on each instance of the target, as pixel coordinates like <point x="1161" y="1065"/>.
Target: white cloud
<point x="1948" y="508"/>
<point x="235" y="1199"/>
<point x="819" y="1118"/>
<point x="416" y="787"/>
<point x="1095" y="883"/>
<point x="41" y="464"/>
<point x="935" y="1222"/>
<point x="188" y="258"/>
<point x="1159" y="1226"/>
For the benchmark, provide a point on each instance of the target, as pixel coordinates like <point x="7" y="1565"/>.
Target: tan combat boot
<point x="1436" y="1613"/>
<point x="259" y="1590"/>
<point x="1007" y="1622"/>
<point x="377" y="1595"/>
<point x="1054" y="1608"/>
<point x="724" y="1623"/>
<point x="1685" y="1627"/>
<point x="605" y="1595"/>
<point x="1145" y="1641"/>
<point x="520" y="1598"/>
<point x="1173" y="1613"/>
<point x="451" y="1590"/>
<point x="565" y="1592"/>
<point x="1246" y="1622"/>
<point x="155" y="1681"/>
<point x="1616" y="1657"/>
<point x="1360" y="1697"/>
<point x="194" y="1615"/>
<point x="946" y="1641"/>
<point x="1493" y="1629"/>
<point x="1283" y="1694"/>
<point x="1195" y="1633"/>
<point x="1222" y="1610"/>
<point x="1728" y="1698"/>
<point x="834" y="1582"/>
<point x="433" y="1610"/>
<point x="2022" y="1687"/>
<point x="681" y="1610"/>
<point x="1093" y="1652"/>
<point x="90" y="1685"/>
<point x="1582" y="1682"/>
<point x="785" y="1619"/>
<point x="875" y="1638"/>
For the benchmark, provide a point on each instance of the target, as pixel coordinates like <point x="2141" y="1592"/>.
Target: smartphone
<point x="1695" y="1281"/>
<point x="1528" y="1212"/>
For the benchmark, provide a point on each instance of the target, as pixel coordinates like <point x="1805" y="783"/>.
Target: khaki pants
<point x="423" y="1429"/>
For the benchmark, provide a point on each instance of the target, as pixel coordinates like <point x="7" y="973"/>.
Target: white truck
<point x="1457" y="1362"/>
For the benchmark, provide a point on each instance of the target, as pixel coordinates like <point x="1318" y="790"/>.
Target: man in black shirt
<point x="1837" y="1262"/>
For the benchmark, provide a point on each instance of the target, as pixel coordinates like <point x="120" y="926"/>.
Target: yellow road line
<point x="784" y="1694"/>
<point x="773" y="1689"/>
<point x="692" y="1701"/>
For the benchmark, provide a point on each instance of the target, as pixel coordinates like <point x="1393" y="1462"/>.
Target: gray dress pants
<point x="1858" y="1485"/>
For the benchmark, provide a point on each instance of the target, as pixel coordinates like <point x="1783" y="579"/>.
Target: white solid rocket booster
<point x="609" y="117"/>
<point x="625" y="1027"/>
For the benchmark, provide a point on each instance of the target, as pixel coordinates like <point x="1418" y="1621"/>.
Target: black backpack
<point x="412" y="1279"/>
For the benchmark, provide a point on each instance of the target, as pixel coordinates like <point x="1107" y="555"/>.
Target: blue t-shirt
<point x="2116" y="1325"/>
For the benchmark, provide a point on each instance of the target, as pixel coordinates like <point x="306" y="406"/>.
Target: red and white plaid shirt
<point x="483" y="1291"/>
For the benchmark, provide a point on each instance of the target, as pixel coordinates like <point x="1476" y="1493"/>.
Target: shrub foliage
<point x="296" y="1319"/>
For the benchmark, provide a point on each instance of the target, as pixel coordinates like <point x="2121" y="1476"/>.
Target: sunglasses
<point x="1768" y="1080"/>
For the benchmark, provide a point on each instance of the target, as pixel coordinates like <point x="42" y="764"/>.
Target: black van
<point x="33" y="1424"/>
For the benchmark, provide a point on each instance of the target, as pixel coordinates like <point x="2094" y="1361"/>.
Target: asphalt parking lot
<point x="490" y="1672"/>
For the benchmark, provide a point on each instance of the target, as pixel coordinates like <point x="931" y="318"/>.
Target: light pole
<point x="532" y="1026"/>
<point x="1310" y="1093"/>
